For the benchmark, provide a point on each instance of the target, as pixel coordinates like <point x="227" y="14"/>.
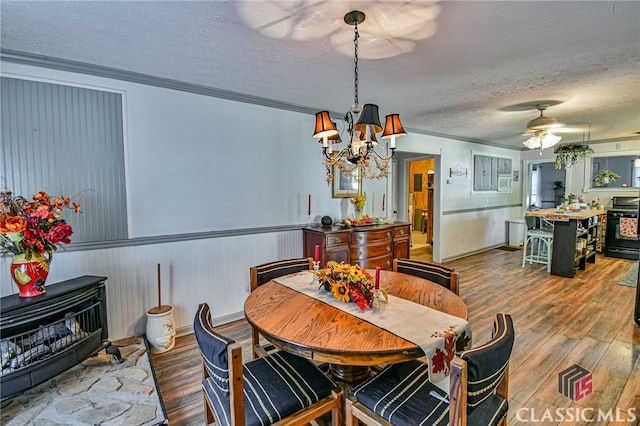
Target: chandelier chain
<point x="355" y="60"/>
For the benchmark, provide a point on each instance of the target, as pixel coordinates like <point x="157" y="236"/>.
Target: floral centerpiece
<point x="29" y="230"/>
<point x="30" y="227"/>
<point x="349" y="283"/>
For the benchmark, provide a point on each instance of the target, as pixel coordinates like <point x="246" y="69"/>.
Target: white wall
<point x="577" y="177"/>
<point x="197" y="163"/>
<point x="468" y="221"/>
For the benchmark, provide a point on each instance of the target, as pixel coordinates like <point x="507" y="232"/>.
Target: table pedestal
<point x="351" y="374"/>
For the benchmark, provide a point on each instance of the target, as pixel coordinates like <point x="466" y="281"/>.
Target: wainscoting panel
<point x="215" y="271"/>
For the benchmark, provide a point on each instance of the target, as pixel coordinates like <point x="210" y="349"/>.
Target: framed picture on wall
<point x="345" y="185"/>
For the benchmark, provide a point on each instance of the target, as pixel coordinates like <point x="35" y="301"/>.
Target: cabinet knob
<point x="359" y="253"/>
<point x="359" y="237"/>
<point x="388" y="234"/>
<point x="402" y="232"/>
<point x="388" y="263"/>
<point x="388" y="248"/>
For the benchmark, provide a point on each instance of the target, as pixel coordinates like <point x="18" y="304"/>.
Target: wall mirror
<point x="627" y="167"/>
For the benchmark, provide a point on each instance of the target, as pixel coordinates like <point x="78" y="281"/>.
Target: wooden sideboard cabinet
<point x="367" y="246"/>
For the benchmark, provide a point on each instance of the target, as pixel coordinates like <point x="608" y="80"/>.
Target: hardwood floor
<point x="587" y="320"/>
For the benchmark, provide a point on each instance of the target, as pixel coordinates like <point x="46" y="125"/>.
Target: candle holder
<point x="376" y="299"/>
<point x="316" y="265"/>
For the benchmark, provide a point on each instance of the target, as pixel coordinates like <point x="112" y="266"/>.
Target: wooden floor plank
<point x="559" y="322"/>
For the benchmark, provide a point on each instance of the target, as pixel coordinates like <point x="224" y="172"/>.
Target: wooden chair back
<point x="223" y="369"/>
<point x="446" y="277"/>
<point x="480" y="371"/>
<point x="264" y="273"/>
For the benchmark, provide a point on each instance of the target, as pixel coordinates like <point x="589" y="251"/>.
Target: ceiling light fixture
<point x="361" y="124"/>
<point x="541" y="128"/>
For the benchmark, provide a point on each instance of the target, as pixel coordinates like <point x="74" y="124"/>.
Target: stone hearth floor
<point x="96" y="391"/>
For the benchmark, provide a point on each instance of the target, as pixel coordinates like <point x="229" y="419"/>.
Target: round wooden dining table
<point x="312" y="329"/>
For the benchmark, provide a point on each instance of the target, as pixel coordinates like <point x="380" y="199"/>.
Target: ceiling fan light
<point x="550" y="140"/>
<point x="532" y="143"/>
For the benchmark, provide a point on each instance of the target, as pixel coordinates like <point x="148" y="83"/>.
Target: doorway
<point x="546" y="186"/>
<point x="420" y="202"/>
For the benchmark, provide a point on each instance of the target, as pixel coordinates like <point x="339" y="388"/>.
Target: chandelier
<point x="361" y="123"/>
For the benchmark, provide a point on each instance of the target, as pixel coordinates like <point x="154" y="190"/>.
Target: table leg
<point x="351" y="374"/>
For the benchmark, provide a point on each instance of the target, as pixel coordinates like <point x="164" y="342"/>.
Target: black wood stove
<point x="43" y="336"/>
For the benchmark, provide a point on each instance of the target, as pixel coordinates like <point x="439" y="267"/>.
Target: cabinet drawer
<point x="336" y="239"/>
<point x="401" y="231"/>
<point x="360" y="252"/>
<point x="384" y="262"/>
<point x="361" y="237"/>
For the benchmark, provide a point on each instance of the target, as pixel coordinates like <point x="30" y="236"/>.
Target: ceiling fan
<point x="541" y="127"/>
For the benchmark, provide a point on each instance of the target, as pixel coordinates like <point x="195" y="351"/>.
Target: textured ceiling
<point x="469" y="69"/>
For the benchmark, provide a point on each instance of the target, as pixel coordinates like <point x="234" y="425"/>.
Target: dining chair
<point x="279" y="388"/>
<point x="264" y="273"/>
<point x="435" y="272"/>
<point x="402" y="395"/>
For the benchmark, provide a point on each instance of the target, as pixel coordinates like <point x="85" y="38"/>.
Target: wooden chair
<point x="280" y="388"/>
<point x="264" y="273"/>
<point x="435" y="272"/>
<point x="402" y="395"/>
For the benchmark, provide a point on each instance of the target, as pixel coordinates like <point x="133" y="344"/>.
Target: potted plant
<point x="569" y="154"/>
<point x="605" y="177"/>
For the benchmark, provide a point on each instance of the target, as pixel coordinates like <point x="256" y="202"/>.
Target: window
<point x="624" y="166"/>
<point x="491" y="173"/>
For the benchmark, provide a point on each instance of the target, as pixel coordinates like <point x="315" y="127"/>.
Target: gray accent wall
<point x="67" y="140"/>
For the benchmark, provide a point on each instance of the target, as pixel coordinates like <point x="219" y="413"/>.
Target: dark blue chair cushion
<point x="486" y="364"/>
<point x="400" y="393"/>
<point x="275" y="386"/>
<point x="489" y="412"/>
<point x="268" y="271"/>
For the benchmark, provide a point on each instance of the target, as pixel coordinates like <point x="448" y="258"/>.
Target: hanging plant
<point x="605" y="177"/>
<point x="569" y="154"/>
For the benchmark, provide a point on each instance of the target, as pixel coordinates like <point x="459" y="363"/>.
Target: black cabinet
<point x="574" y="245"/>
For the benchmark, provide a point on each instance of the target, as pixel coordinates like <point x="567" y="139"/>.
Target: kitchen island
<point x="575" y="237"/>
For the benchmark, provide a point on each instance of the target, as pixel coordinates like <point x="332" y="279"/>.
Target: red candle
<point x="377" y="277"/>
<point x="383" y="195"/>
<point x="309" y="208"/>
<point x="317" y="258"/>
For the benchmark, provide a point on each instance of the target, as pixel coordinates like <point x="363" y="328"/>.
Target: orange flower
<point x="13" y="224"/>
<point x="76" y="207"/>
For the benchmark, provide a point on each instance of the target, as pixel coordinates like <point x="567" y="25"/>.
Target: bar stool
<point x="541" y="239"/>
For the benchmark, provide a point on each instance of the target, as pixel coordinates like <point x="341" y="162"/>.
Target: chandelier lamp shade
<point x="361" y="123"/>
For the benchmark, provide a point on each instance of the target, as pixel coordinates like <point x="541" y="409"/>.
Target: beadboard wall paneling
<point x="66" y="140"/>
<point x="215" y="271"/>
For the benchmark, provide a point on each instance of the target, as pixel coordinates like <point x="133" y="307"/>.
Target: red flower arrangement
<point x="33" y="227"/>
<point x="349" y="283"/>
